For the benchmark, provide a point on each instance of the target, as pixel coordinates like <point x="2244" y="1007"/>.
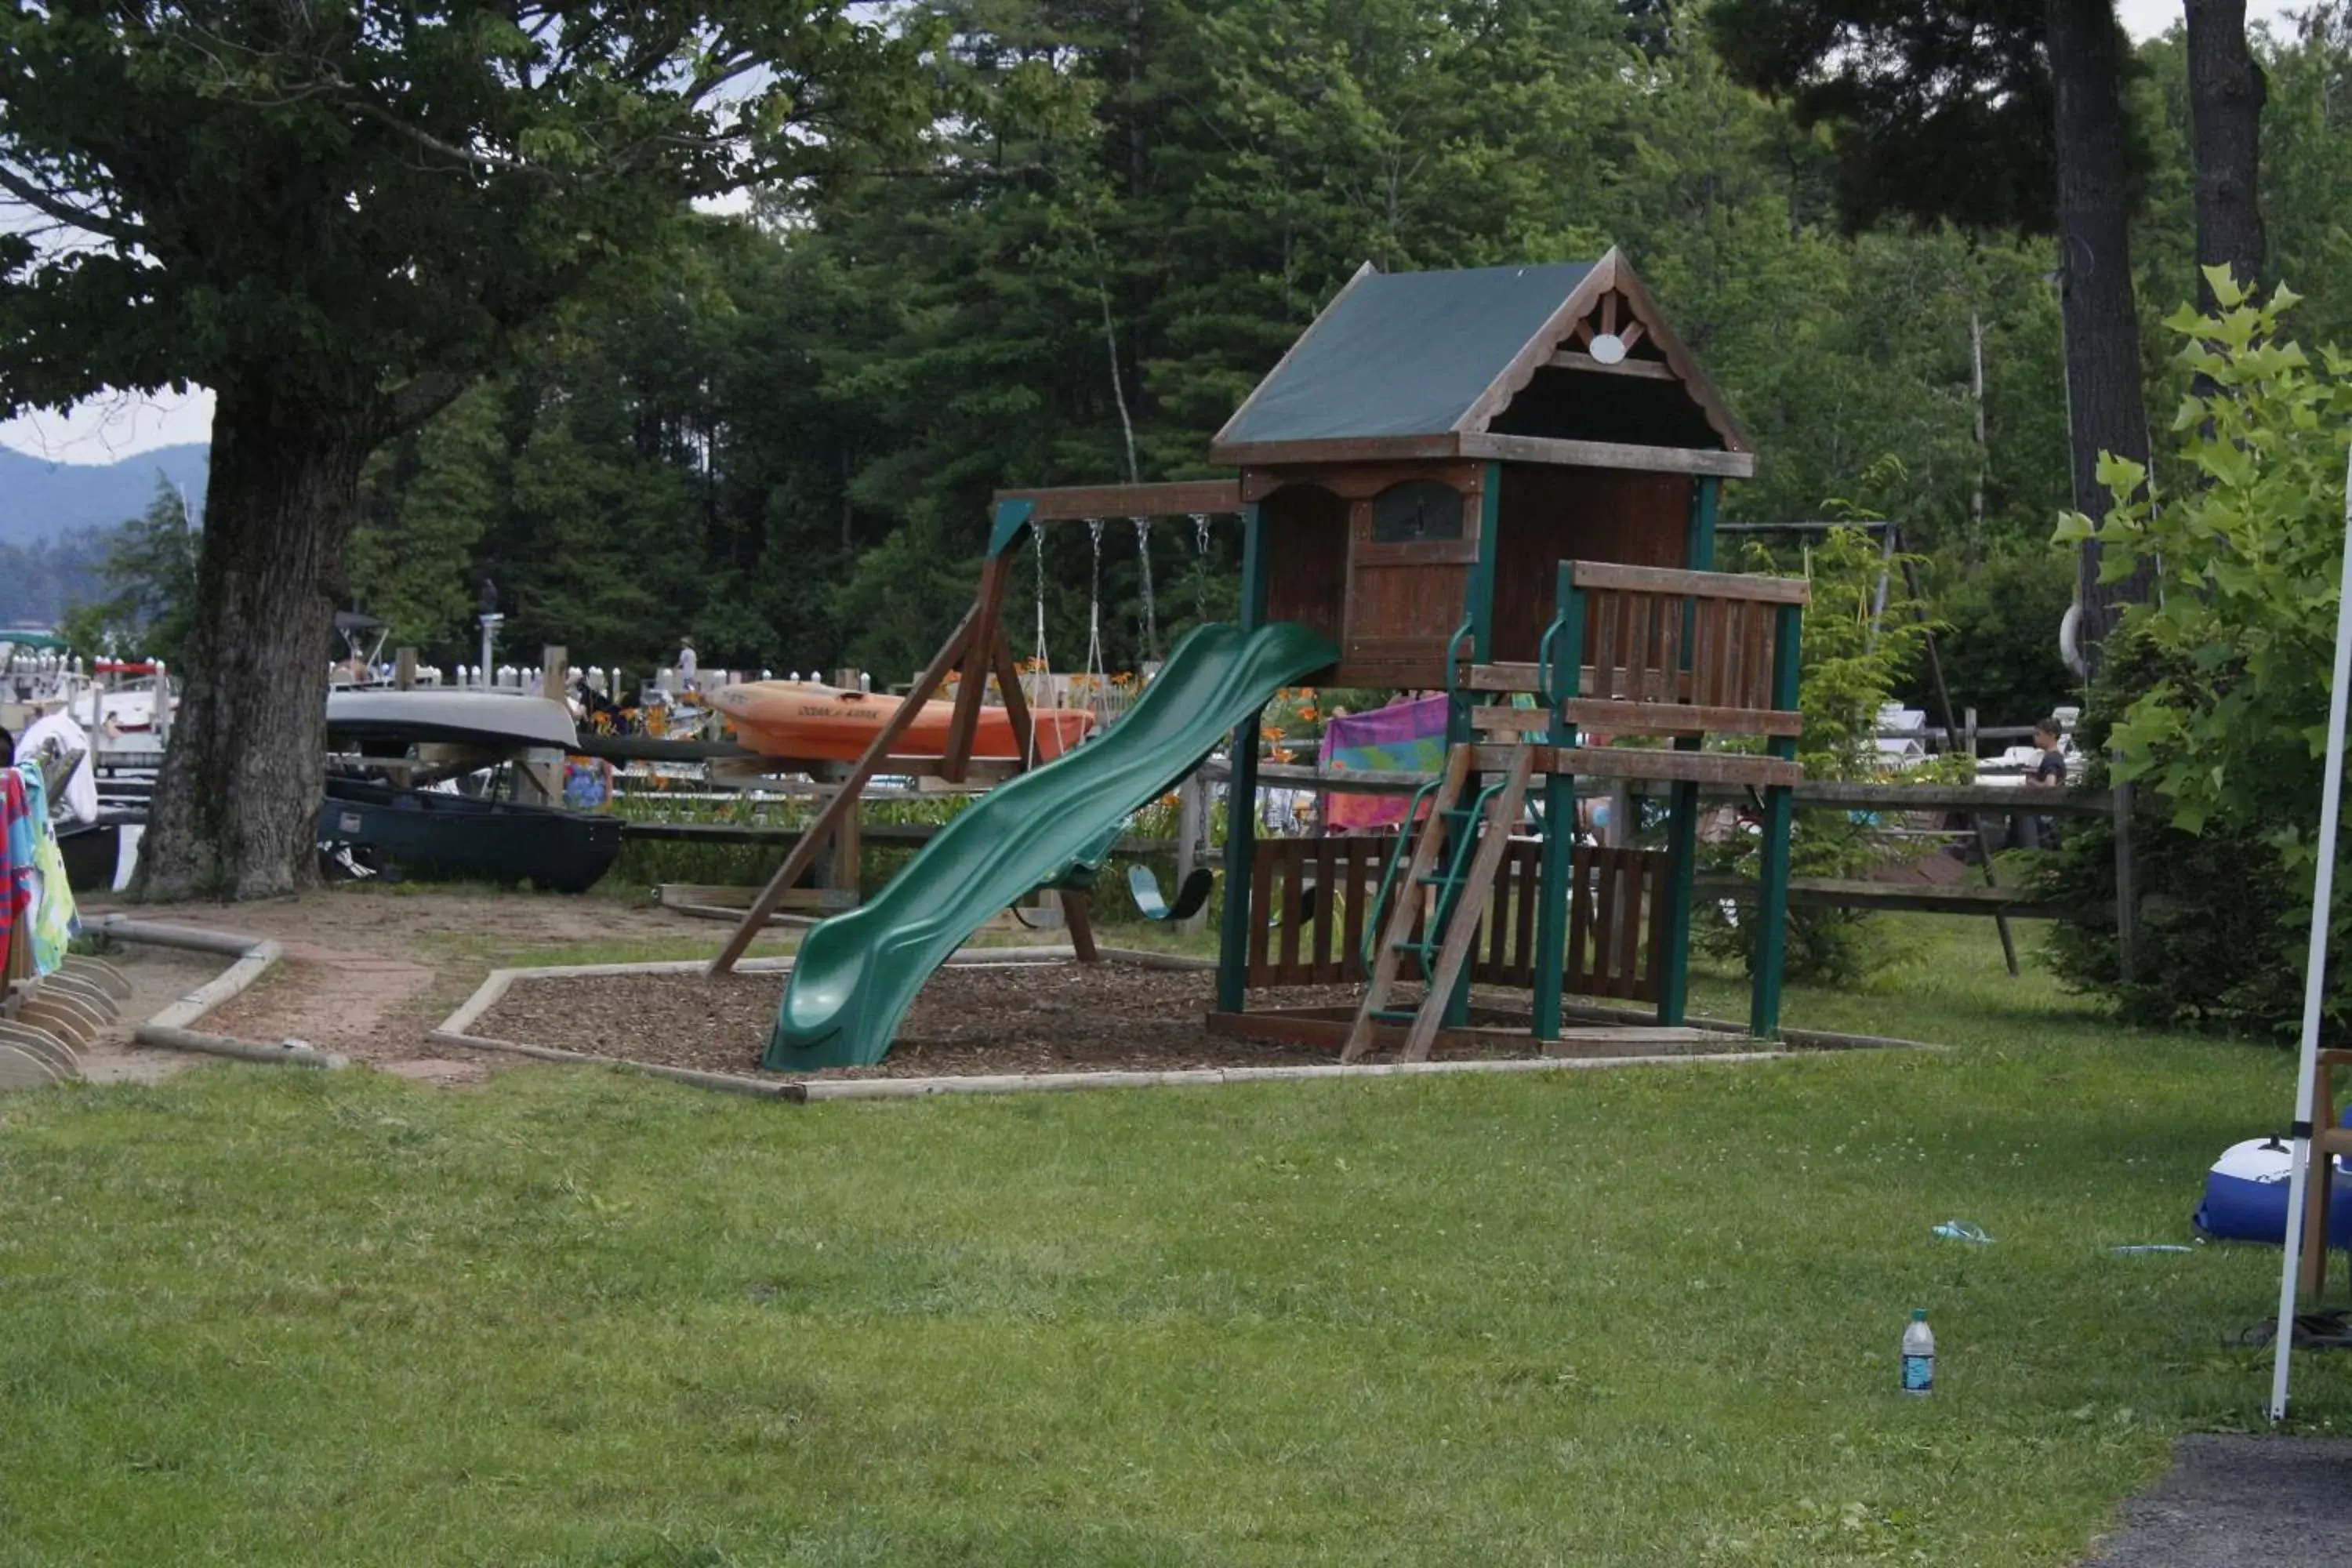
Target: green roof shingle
<point x="1403" y="354"/>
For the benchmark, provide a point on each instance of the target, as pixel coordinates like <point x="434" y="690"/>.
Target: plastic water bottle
<point x="1918" y="1355"/>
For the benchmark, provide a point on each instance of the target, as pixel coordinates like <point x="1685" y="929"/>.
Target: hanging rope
<point x="1200" y="566"/>
<point x="1041" y="681"/>
<point x="1150" y="613"/>
<point x="1098" y="672"/>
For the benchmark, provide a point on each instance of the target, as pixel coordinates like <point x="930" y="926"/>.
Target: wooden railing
<point x="1701" y="638"/>
<point x="1883" y="797"/>
<point x="1659" y="654"/>
<point x="1313" y="895"/>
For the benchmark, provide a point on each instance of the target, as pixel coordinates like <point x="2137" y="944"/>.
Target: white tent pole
<point x="2314" y="971"/>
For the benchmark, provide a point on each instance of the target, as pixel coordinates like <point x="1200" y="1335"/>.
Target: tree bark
<point x="235" y="807"/>
<point x="2226" y="93"/>
<point x="2104" y="410"/>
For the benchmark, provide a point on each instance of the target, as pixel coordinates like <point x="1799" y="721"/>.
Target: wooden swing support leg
<point x="1952" y="739"/>
<point x="1016" y="701"/>
<point x="1081" y="926"/>
<point x="845" y="799"/>
<point x="986" y="629"/>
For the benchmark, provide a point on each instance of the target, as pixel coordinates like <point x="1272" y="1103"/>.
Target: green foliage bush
<point x="2220" y="942"/>
<point x="2214" y="699"/>
<point x="1854" y="658"/>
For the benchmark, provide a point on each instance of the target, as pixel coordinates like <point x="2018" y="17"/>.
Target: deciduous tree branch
<point x="419" y="398"/>
<point x="480" y="160"/>
<point x="33" y="195"/>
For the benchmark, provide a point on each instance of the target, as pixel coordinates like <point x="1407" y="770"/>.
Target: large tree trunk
<point x="2104" y="410"/>
<point x="237" y="805"/>
<point x="2226" y="93"/>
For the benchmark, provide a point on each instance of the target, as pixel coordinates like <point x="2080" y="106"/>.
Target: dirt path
<point x="366" y="972"/>
<point x="356" y="1002"/>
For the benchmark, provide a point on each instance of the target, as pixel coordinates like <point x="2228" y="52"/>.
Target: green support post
<point x="1682" y="810"/>
<point x="1682" y="868"/>
<point x="1699" y="550"/>
<point x="1562" y="661"/>
<point x="1772" y="890"/>
<point x="1241" y="846"/>
<point x="1481" y="607"/>
<point x="1241" y="797"/>
<point x="1479" y="610"/>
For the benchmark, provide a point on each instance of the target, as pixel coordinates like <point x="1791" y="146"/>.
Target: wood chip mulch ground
<point x="1023" y="1018"/>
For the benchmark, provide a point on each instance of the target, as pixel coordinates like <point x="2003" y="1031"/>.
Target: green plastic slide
<point x="857" y="972"/>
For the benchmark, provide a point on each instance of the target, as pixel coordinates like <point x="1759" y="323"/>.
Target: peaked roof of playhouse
<point x="1537" y="363"/>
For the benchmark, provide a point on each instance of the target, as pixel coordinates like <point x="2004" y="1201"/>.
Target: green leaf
<point x="2123" y="476"/>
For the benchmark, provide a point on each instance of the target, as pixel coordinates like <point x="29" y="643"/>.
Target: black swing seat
<point x="1191" y="898"/>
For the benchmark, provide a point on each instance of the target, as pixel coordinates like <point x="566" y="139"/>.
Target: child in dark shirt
<point x="2049" y="773"/>
<point x="2050" y="768"/>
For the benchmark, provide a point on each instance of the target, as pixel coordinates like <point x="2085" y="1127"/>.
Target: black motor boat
<point x="432" y="833"/>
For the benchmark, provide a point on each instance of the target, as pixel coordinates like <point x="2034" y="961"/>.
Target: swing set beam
<point x="976" y="649"/>
<point x="1087" y="503"/>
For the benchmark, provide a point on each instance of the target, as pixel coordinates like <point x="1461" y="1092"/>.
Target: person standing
<point x="2050" y="767"/>
<point x="686" y="664"/>
<point x="2049" y="771"/>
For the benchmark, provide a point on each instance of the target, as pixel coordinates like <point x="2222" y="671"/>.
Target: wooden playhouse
<point x="1460" y="479"/>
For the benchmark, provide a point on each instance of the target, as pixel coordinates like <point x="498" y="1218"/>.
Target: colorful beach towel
<point x="16" y="873"/>
<point x="49" y="910"/>
<point x="1403" y="737"/>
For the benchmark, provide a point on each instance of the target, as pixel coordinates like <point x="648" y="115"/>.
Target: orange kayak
<point x="797" y="719"/>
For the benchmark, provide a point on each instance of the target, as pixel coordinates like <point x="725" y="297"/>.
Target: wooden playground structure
<point x="1500" y="484"/>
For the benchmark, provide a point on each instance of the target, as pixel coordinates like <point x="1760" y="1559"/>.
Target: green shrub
<point x="2214" y="699"/>
<point x="2219" y="933"/>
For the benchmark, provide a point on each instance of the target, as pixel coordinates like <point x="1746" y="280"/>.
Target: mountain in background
<point x="40" y="500"/>
<point x="39" y="583"/>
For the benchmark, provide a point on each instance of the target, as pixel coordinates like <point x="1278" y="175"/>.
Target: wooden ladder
<point x="1476" y="836"/>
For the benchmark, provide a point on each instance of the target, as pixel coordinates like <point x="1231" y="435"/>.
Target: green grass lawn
<point x="1627" y="1317"/>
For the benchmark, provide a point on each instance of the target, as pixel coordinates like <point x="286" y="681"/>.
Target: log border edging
<point x="169" y="1030"/>
<point x="456" y="1030"/>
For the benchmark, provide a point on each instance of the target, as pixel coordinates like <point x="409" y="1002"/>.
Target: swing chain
<point x="1094" y="590"/>
<point x="1041" y="683"/>
<point x="1150" y="615"/>
<point x="1200" y="566"/>
<point x="1097" y="674"/>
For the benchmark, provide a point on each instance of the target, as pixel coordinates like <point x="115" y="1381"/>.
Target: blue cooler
<point x="2246" y="1192"/>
